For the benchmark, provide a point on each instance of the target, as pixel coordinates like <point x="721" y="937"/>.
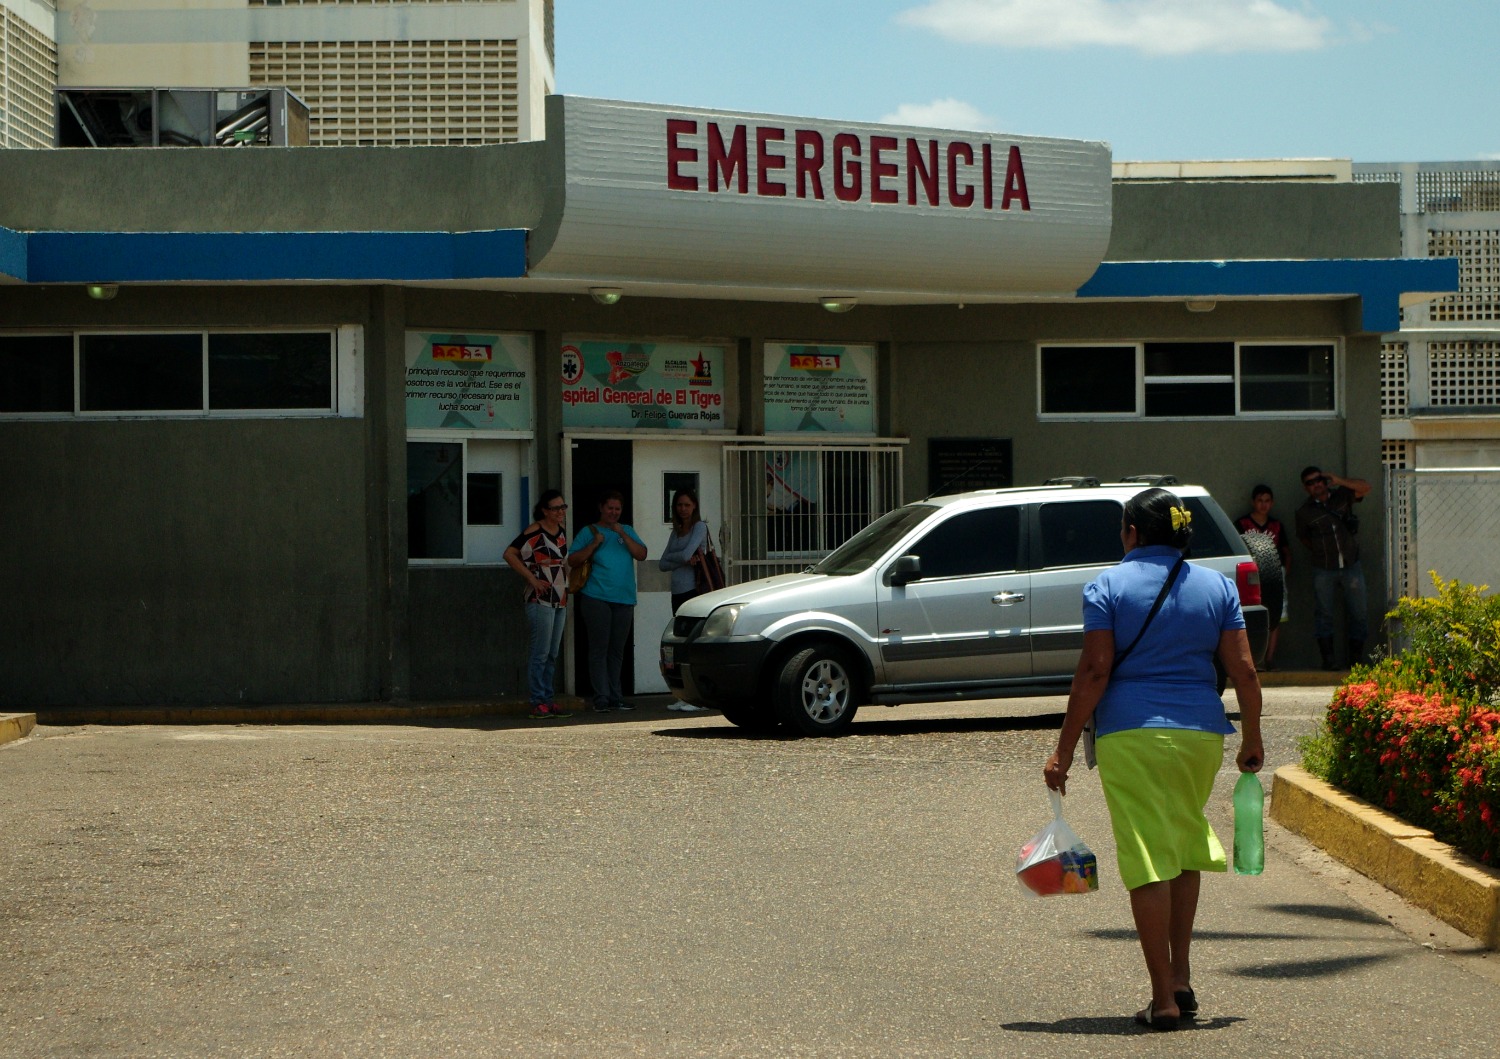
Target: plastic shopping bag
<point x="1056" y="861"/>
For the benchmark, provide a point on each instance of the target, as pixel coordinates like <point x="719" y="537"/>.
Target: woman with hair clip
<point x="1152" y="626"/>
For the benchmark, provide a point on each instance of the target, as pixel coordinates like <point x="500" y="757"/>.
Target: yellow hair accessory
<point x="1181" y="517"/>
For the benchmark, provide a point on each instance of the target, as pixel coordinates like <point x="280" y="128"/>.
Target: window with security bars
<point x="399" y="93"/>
<point x="1478" y="296"/>
<point x="789" y="506"/>
<point x="1395" y="455"/>
<point x="28" y="76"/>
<point x="1463" y="374"/>
<point x="1393" y="380"/>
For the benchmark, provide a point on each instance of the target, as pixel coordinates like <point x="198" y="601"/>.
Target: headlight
<point x="721" y="621"/>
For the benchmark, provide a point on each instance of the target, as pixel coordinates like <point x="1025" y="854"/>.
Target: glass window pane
<point x="1208" y="540"/>
<point x="1286" y="378"/>
<point x="484" y="499"/>
<point x="277" y="370"/>
<point x="976" y="542"/>
<point x="141" y="373"/>
<point x="36" y="373"/>
<point x="1088" y="379"/>
<point x="1190" y="399"/>
<point x="1085" y="533"/>
<point x="434" y="500"/>
<point x="1189" y="358"/>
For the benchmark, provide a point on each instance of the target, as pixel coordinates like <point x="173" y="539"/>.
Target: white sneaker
<point x="675" y="705"/>
<point x="688" y="707"/>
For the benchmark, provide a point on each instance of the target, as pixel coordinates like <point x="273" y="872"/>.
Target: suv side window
<point x="1208" y="539"/>
<point x="1081" y="533"/>
<point x="976" y="542"/>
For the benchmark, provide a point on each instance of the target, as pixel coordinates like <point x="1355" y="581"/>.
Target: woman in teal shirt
<point x="607" y="600"/>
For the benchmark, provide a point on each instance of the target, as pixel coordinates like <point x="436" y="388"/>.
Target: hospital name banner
<point x="468" y="381"/>
<point x="819" y="388"/>
<point x="642" y="384"/>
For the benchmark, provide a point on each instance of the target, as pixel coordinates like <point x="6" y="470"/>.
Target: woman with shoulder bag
<point x="684" y="553"/>
<point x="1150" y="687"/>
<point x="606" y="602"/>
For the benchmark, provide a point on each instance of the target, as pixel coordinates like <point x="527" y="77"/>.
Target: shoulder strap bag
<point x="1089" y="757"/>
<point x="709" y="573"/>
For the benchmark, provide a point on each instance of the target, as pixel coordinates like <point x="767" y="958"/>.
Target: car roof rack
<point x="1075" y="482"/>
<point x="1151" y="479"/>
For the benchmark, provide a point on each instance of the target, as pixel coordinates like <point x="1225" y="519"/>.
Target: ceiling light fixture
<point x="606" y="295"/>
<point x="103" y="292"/>
<point x="1200" y="305"/>
<point x="838" y="303"/>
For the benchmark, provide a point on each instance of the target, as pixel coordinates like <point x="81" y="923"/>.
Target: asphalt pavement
<point x="656" y="884"/>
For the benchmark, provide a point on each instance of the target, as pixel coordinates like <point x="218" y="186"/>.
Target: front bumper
<point x="714" y="674"/>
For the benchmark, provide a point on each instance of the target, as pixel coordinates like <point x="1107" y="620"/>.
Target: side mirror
<point x="904" y="571"/>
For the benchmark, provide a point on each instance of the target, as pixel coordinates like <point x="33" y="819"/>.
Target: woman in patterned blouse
<point x="540" y="555"/>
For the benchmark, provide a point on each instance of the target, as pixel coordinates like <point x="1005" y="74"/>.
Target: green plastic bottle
<point x="1249" y="825"/>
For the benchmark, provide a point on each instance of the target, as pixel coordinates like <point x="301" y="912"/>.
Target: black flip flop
<point x="1187" y="1003"/>
<point x="1159" y="1023"/>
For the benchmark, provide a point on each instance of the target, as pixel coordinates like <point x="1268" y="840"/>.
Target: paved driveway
<point x="653" y="885"/>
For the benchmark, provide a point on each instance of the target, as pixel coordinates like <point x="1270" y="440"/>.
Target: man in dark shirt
<point x="1326" y="525"/>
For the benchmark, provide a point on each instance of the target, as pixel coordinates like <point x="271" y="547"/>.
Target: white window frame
<point x="346" y="380"/>
<point x="462" y="438"/>
<point x="1142" y="380"/>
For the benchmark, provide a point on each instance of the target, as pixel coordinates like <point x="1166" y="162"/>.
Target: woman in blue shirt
<point x="606" y="602"/>
<point x="1160" y="729"/>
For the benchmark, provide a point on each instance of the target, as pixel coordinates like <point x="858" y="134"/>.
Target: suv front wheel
<point x="817" y="691"/>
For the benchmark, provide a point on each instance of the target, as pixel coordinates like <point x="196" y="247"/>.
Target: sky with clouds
<point x="1371" y="80"/>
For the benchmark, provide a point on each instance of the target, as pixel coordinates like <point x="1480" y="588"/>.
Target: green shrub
<point x="1453" y="637"/>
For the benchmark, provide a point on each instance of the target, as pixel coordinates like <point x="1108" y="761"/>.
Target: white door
<point x="659" y="469"/>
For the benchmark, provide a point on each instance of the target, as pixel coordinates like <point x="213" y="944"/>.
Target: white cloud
<point x="941" y="114"/>
<point x="1156" y="27"/>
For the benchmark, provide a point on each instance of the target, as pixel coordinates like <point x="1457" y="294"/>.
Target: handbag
<point x="709" y="572"/>
<point x="578" y="576"/>
<point x="1089" y="756"/>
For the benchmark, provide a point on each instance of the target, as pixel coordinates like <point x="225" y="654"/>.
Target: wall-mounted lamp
<point x="103" y="292"/>
<point x="837" y="303"/>
<point x="1200" y="305"/>
<point x="606" y="295"/>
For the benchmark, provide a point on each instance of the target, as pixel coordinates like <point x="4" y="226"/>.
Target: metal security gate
<point x="1446" y="520"/>
<point x="787" y="506"/>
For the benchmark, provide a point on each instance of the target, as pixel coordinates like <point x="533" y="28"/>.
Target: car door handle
<point x="1005" y="599"/>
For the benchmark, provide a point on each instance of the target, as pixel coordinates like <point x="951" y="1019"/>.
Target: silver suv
<point x="971" y="596"/>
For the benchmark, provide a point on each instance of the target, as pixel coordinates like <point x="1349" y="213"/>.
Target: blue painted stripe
<point x="13" y="254"/>
<point x="166" y="257"/>
<point x="1377" y="282"/>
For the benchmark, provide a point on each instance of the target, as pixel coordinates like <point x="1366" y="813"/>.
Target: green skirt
<point x="1156" y="782"/>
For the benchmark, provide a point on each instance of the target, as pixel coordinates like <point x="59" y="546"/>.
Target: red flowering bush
<point x="1419" y="733"/>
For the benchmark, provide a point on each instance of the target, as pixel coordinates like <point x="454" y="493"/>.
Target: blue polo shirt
<point x="613" y="576"/>
<point x="1169" y="679"/>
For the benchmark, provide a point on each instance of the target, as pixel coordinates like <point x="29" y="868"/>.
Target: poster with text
<point x="819" y="388"/>
<point x="468" y="381"/>
<point x="642" y="384"/>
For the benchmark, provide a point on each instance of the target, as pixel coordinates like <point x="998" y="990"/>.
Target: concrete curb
<point x="1405" y="859"/>
<point x="16" y="726"/>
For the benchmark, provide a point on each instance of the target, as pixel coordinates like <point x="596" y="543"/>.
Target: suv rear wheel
<point x="817" y="691"/>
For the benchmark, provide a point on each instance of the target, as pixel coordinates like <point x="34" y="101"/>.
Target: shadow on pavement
<point x="1312" y="968"/>
<point x="1348" y="915"/>
<point x="1112" y="1026"/>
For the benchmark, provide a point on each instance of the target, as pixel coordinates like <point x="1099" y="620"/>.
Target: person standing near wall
<point x="1326" y="526"/>
<point x="1273" y="590"/>
<point x="606" y="602"/>
<point x="540" y="556"/>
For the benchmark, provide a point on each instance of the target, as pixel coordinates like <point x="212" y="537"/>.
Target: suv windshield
<point x="861" y="551"/>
